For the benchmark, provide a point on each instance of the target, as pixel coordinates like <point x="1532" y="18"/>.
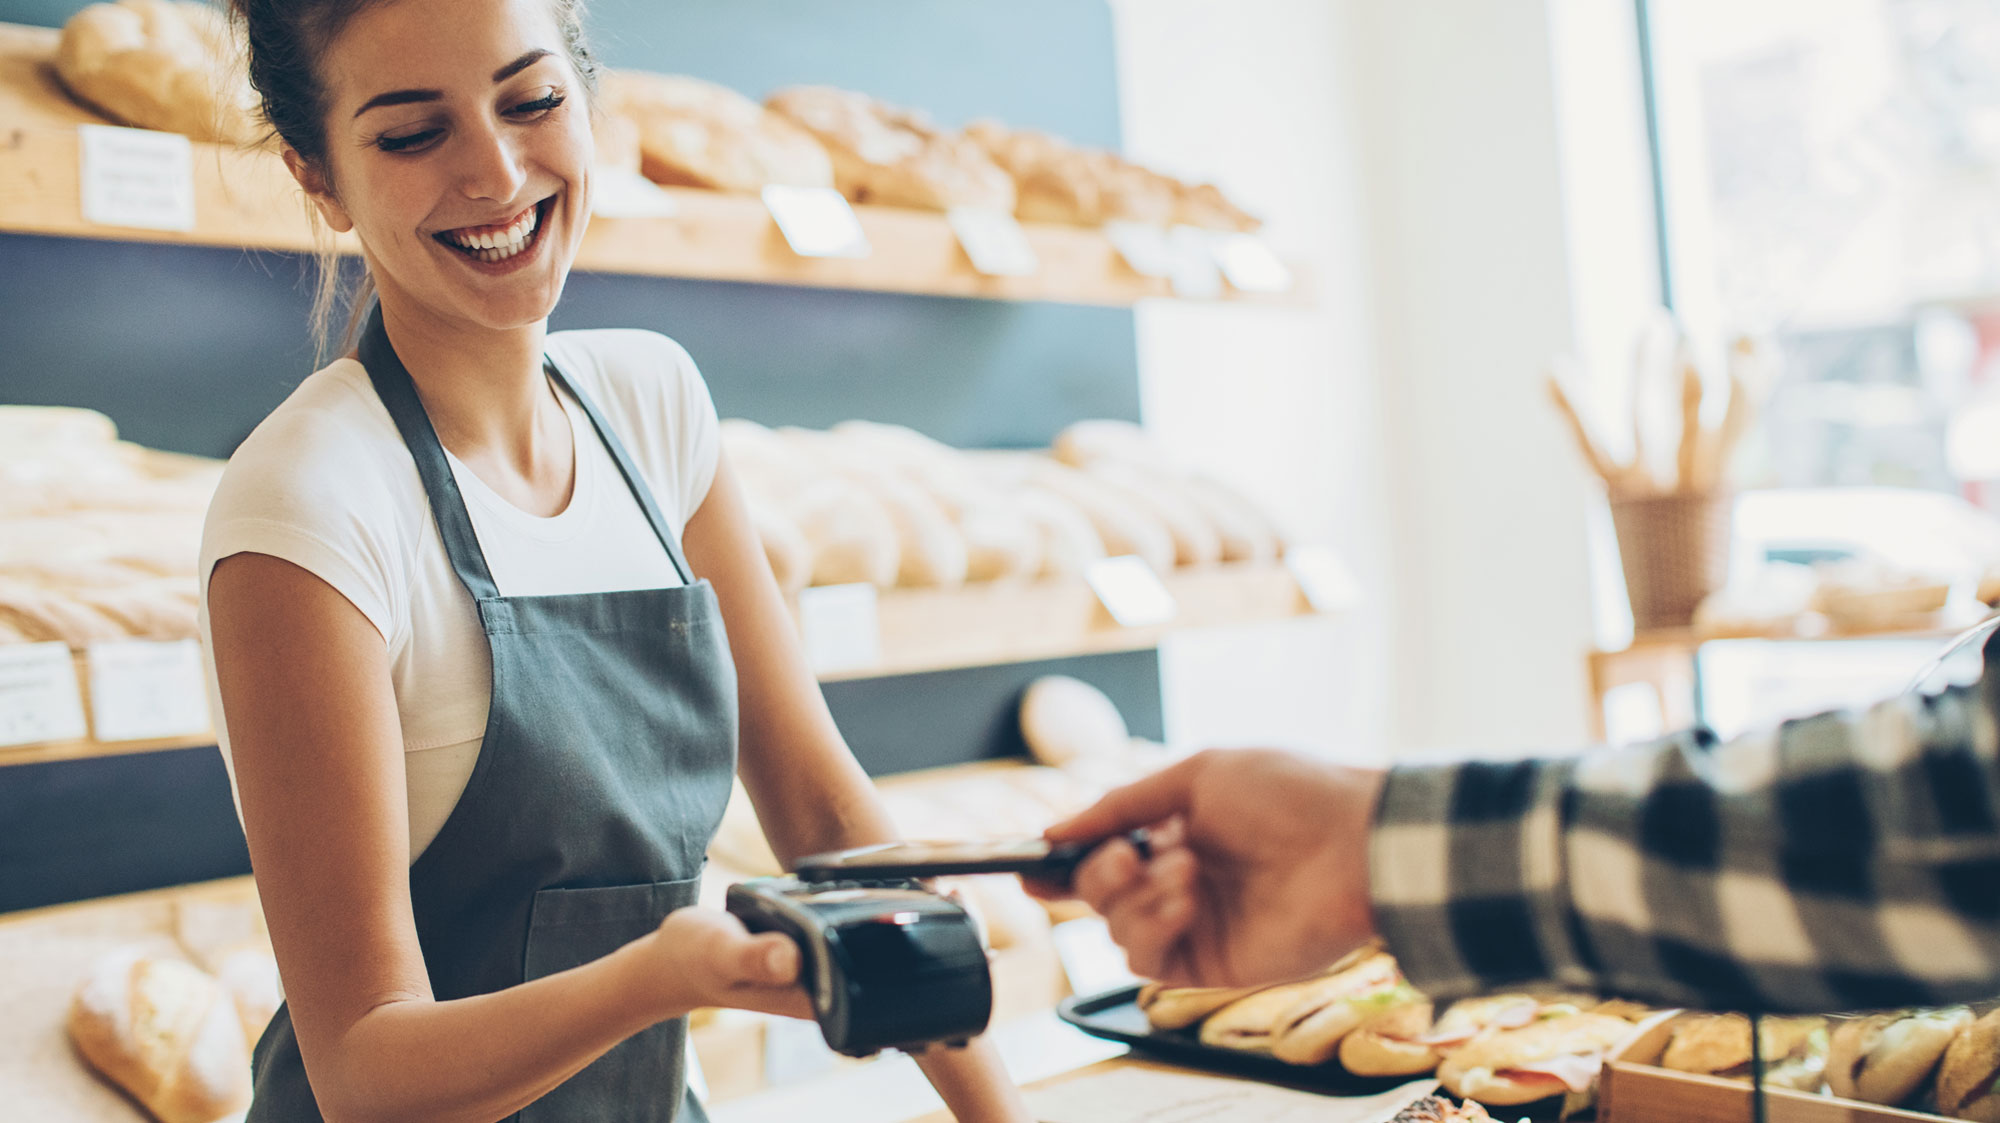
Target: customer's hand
<point x="705" y="957"/>
<point x="1259" y="867"/>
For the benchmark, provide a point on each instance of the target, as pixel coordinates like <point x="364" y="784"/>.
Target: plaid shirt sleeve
<point x="1845" y="861"/>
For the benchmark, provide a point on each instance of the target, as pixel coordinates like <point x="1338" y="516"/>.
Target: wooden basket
<point x="1675" y="551"/>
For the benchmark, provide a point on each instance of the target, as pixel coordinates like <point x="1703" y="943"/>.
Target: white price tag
<point x="1325" y="580"/>
<point x="1143" y="246"/>
<point x="816" y="221"/>
<point x="1250" y="265"/>
<point x="841" y="629"/>
<point x="140" y="691"/>
<point x="136" y="177"/>
<point x="624" y="193"/>
<point x="795" y="1050"/>
<point x="1194" y="272"/>
<point x="39" y="699"/>
<point x="1131" y="592"/>
<point x="995" y="242"/>
<point x="1091" y="959"/>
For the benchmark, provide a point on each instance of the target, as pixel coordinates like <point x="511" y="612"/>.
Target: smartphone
<point x="1032" y="857"/>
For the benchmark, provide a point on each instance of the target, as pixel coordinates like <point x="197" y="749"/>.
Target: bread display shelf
<point x="940" y="629"/>
<point x="1013" y="622"/>
<point x="247" y="199"/>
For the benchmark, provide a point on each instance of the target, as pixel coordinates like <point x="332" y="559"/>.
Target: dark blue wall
<point x="189" y="348"/>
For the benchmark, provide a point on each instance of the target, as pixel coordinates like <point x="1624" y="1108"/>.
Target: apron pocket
<point x="644" y="1077"/>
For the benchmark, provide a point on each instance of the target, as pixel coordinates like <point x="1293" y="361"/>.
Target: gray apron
<point x="603" y="773"/>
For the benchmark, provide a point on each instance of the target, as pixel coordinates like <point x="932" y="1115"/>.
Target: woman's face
<point x="458" y="139"/>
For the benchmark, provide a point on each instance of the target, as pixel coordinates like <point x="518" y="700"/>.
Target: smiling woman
<point x="491" y="631"/>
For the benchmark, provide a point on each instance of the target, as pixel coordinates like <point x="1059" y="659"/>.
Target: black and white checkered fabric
<point x="1845" y="861"/>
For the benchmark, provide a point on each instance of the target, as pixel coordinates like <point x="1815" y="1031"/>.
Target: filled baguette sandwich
<point x="1794" y="1049"/>
<point x="1967" y="1075"/>
<point x="1551" y="1057"/>
<point x="1886" y="1058"/>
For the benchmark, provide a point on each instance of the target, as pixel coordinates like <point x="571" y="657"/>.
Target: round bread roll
<point x="694" y="133"/>
<point x="853" y="538"/>
<point x="1390" y="1042"/>
<point x="157" y="64"/>
<point x="1065" y="719"/>
<point x="1885" y="1058"/>
<point x="1537" y="1061"/>
<point x="1966" y="1077"/>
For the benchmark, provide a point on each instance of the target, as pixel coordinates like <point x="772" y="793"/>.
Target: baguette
<point x="1180" y="1007"/>
<point x="166" y="1032"/>
<point x="1885" y="1058"/>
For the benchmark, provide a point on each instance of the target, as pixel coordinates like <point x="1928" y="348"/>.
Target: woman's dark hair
<point x="284" y="40"/>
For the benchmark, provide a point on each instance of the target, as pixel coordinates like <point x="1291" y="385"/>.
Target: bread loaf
<point x="159" y="64"/>
<point x="699" y="134"/>
<point x="167" y="1033"/>
<point x="1965" y="1080"/>
<point x="895" y="157"/>
<point x="1121" y="526"/>
<point x="1065" y="719"/>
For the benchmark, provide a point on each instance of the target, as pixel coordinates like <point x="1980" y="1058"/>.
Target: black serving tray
<point x="1115" y="1016"/>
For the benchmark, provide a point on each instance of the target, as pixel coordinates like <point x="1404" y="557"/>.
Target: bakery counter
<point x="245" y="198"/>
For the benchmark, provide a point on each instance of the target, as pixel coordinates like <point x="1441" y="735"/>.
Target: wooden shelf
<point x="1015" y="622"/>
<point x="942" y="629"/>
<point x="247" y="199"/>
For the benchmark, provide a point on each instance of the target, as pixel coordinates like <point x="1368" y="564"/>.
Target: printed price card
<point x="840" y="627"/>
<point x="1131" y="592"/>
<point x="1325" y="580"/>
<point x="624" y="193"/>
<point x="1194" y="272"/>
<point x="816" y="221"/>
<point x="39" y="698"/>
<point x="995" y="242"/>
<point x="140" y="691"/>
<point x="1250" y="265"/>
<point x="1143" y="246"/>
<point x="136" y="177"/>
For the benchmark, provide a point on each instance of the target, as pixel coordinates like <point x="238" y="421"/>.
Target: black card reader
<point x="888" y="964"/>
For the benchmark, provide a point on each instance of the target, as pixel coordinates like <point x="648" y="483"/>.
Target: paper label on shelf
<point x="1090" y="958"/>
<point x="140" y="691"/>
<point x="795" y="1050"/>
<point x="816" y="221"/>
<point x="624" y="193"/>
<point x="994" y="241"/>
<point x="136" y="177"/>
<point x="841" y="629"/>
<point x="39" y="697"/>
<point x="1132" y="1095"/>
<point x="1326" y="581"/>
<point x="1131" y="592"/>
<point x="1250" y="265"/>
<point x="1194" y="272"/>
<point x="1143" y="246"/>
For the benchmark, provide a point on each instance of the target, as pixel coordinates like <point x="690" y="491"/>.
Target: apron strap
<point x="626" y="468"/>
<point x="399" y="394"/>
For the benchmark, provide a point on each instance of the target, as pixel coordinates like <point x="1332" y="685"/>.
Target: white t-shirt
<point x="327" y="484"/>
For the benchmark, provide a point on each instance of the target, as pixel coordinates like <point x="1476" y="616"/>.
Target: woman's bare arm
<point x="809" y="792"/>
<point x="318" y="756"/>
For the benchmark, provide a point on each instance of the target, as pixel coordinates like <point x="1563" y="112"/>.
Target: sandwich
<point x="1885" y="1058"/>
<point x="1551" y="1057"/>
<point x="1719" y="1045"/>
<point x="1966" y="1078"/>
<point x="1315" y="1040"/>
<point x="1179" y="1007"/>
<point x="1391" y="1043"/>
<point x="1257" y="1023"/>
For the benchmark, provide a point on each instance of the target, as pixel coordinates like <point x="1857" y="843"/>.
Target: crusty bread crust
<point x="1386" y="1045"/>
<point x="1478" y="1069"/>
<point x="1965" y="1076"/>
<point x="1885" y="1058"/>
<point x="167" y="1033"/>
<point x="1180" y="1007"/>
